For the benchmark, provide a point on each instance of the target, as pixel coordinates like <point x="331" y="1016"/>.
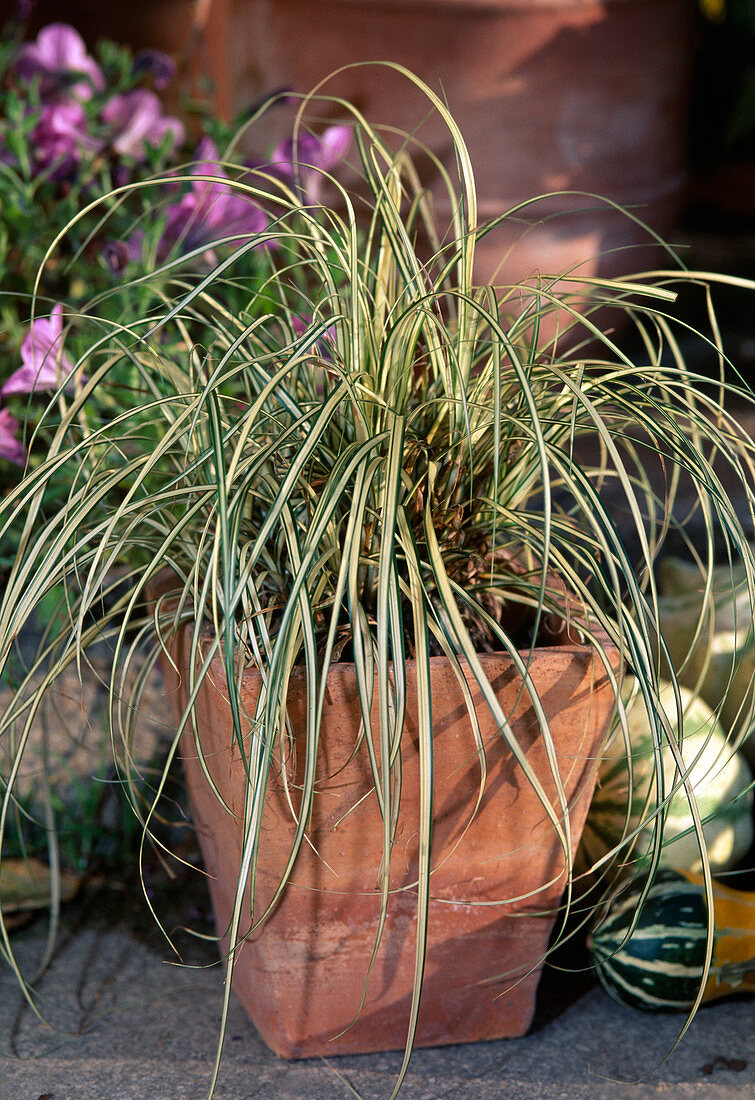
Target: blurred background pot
<point x="551" y="95"/>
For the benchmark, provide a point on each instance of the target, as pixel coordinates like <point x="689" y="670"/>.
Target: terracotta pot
<point x="588" y="95"/>
<point x="142" y="24"/>
<point x="551" y="95"/>
<point x="498" y="869"/>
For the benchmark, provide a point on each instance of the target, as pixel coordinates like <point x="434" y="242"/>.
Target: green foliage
<point x="112" y="194"/>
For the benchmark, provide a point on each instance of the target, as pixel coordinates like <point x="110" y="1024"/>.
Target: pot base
<point x="301" y="982"/>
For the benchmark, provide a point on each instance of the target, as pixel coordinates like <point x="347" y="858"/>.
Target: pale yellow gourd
<point x="627" y="790"/>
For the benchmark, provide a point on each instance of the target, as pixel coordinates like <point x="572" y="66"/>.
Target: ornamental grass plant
<point x="359" y="455"/>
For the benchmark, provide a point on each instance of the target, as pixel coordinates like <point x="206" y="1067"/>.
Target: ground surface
<point x="133" y="1027"/>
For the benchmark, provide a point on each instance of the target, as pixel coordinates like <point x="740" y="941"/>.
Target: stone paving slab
<point x="133" y="1027"/>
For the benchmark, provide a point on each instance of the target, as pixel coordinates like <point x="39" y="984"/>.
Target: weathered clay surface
<point x="546" y="96"/>
<point x="498" y="868"/>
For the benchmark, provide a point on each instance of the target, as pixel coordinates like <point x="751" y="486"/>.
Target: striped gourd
<point x="627" y="792"/>
<point x="659" y="967"/>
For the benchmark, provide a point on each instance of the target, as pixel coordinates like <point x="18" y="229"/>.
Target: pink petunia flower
<point x="11" y="448"/>
<point x="59" y="56"/>
<point x="302" y="325"/>
<point x="45" y="364"/>
<point x="137" y="118"/>
<point x="60" y="138"/>
<point x="306" y="159"/>
<point x="211" y="210"/>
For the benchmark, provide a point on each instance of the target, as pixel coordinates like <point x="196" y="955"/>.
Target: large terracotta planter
<point x="498" y="873"/>
<point x="550" y="95"/>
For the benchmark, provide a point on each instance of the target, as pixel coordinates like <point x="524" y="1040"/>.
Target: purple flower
<point x="211" y="210"/>
<point x="302" y="325"/>
<point x="45" y="365"/>
<point x="320" y="372"/>
<point x="156" y="64"/>
<point x="306" y="159"/>
<point x="11" y="449"/>
<point x="58" y="56"/>
<point x="60" y="138"/>
<point x="137" y="118"/>
<point x="119" y="254"/>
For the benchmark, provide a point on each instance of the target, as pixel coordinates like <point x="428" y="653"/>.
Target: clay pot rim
<point x="565" y="650"/>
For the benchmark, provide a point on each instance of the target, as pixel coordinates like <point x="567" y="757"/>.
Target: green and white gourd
<point x="660" y="966"/>
<point x="720" y="778"/>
